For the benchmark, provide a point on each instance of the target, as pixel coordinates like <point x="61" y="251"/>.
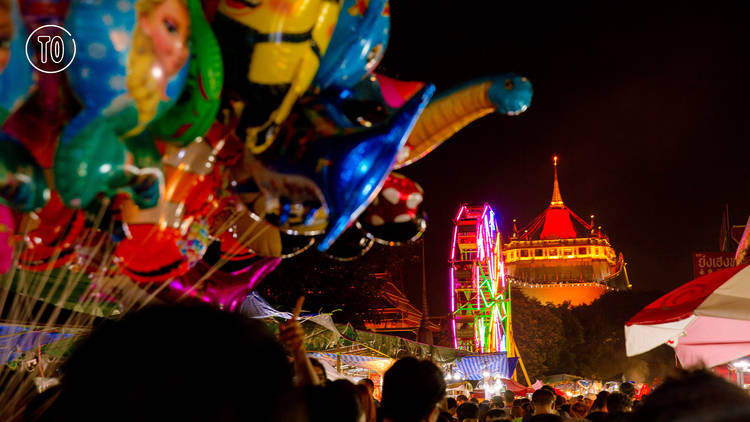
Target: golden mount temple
<point x="559" y="257"/>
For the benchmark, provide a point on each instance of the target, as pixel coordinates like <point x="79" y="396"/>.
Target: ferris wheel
<point x="480" y="295"/>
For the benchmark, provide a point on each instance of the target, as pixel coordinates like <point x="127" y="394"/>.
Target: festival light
<point x="479" y="297"/>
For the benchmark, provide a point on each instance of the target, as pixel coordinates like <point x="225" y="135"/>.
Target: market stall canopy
<point x="372" y="363"/>
<point x="516" y="388"/>
<point x="329" y="342"/>
<point x="706" y="320"/>
<point x="496" y="364"/>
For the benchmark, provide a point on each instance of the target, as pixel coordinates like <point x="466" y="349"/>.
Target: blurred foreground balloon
<point x="22" y="182"/>
<point x="395" y="216"/>
<point x="257" y="235"/>
<point x="351" y="244"/>
<point x="195" y="110"/>
<point x="131" y="68"/>
<point x="6" y="237"/>
<point x="50" y="235"/>
<point x="340" y="171"/>
<point x="451" y="111"/>
<point x="357" y="44"/>
<point x="15" y="70"/>
<point x="164" y="240"/>
<point x="271" y="51"/>
<point x="213" y="281"/>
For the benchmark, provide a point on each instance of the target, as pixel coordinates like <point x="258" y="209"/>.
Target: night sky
<point x="646" y="105"/>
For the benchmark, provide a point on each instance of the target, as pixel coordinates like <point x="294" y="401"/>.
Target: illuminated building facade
<point x="559" y="257"/>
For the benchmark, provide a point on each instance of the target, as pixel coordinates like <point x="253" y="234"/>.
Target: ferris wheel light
<point x="477" y="263"/>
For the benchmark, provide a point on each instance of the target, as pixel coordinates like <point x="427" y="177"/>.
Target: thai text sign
<point x="708" y="262"/>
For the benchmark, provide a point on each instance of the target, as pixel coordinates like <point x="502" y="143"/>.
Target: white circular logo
<point x="50" y="49"/>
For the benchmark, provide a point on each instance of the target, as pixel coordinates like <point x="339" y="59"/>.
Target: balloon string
<point x="39" y="354"/>
<point x="147" y="171"/>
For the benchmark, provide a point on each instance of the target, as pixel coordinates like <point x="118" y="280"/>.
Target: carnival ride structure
<point x="480" y="295"/>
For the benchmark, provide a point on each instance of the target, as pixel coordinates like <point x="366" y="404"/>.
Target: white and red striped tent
<point x="706" y="320"/>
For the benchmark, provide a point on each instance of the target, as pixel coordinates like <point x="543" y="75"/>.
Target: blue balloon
<point x="16" y="73"/>
<point x="357" y="45"/>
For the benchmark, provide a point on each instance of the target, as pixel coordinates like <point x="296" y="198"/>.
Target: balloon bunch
<point x="190" y="147"/>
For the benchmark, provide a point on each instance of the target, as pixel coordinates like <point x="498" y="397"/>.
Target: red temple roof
<point x="557" y="221"/>
<point x="557" y="224"/>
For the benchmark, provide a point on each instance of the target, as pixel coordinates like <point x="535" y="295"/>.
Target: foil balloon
<point x="163" y="241"/>
<point x="36" y="125"/>
<point x="229" y="255"/>
<point x="271" y="51"/>
<point x="351" y="244"/>
<point x="50" y="236"/>
<point x="395" y="216"/>
<point x="6" y="238"/>
<point x="357" y="44"/>
<point x="194" y="113"/>
<point x="195" y="242"/>
<point x="342" y="172"/>
<point x="225" y="288"/>
<point x="258" y="235"/>
<point x="451" y="111"/>
<point x="22" y="182"/>
<point x="131" y="68"/>
<point x="43" y="12"/>
<point x="296" y="206"/>
<point x="15" y="70"/>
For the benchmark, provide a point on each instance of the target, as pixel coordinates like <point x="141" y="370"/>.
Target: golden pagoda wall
<point x="553" y="271"/>
<point x="576" y="294"/>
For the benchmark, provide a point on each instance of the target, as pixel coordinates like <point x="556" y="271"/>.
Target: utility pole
<point x="424" y="335"/>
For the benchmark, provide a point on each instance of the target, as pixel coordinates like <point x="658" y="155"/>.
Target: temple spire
<point x="557" y="201"/>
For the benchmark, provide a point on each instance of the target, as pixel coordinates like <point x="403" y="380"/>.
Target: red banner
<point x="708" y="262"/>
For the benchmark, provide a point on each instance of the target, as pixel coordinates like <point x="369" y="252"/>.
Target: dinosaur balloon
<point x="451" y="111"/>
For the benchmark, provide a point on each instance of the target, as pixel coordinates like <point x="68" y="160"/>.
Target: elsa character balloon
<point x="159" y="52"/>
<point x="131" y="68"/>
<point x="15" y="70"/>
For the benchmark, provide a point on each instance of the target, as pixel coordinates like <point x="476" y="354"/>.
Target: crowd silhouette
<point x="195" y="363"/>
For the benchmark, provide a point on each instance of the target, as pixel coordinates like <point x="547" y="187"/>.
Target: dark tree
<point x="588" y="341"/>
<point x="538" y="333"/>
